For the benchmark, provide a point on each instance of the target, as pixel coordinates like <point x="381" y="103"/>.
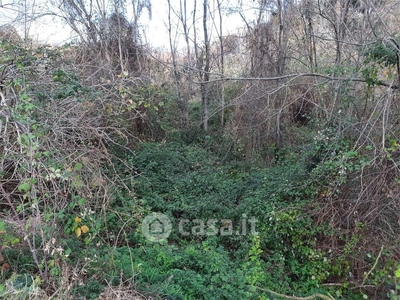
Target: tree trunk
<point x="206" y="70"/>
<point x="173" y="54"/>
<point x="221" y="50"/>
<point x="188" y="89"/>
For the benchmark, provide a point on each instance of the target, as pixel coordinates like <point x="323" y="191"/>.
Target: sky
<point x="49" y="29"/>
<point x="156" y="28"/>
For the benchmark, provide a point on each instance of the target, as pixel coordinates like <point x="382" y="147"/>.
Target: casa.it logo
<point x="156" y="227"/>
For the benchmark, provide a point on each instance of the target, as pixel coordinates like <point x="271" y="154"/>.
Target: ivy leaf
<point x="24" y="187"/>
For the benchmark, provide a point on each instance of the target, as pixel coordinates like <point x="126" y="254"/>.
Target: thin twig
<point x="314" y="296"/>
<point x="373" y="267"/>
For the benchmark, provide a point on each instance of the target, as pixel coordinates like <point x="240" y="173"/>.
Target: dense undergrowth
<point x="83" y="165"/>
<point x="188" y="182"/>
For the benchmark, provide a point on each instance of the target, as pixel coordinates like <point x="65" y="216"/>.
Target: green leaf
<point x="351" y="154"/>
<point x="68" y="252"/>
<point x="77" y="183"/>
<point x="14" y="241"/>
<point x="397" y="273"/>
<point x="78" y="166"/>
<point x="81" y="201"/>
<point x="24" y="187"/>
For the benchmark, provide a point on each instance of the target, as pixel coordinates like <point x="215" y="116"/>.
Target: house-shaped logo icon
<point x="156" y="227"/>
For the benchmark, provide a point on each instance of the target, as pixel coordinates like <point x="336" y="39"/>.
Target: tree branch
<point x="295" y="76"/>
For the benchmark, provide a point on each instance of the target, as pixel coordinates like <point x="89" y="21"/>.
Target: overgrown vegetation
<point x="277" y="186"/>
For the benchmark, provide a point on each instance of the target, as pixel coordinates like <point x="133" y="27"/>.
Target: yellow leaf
<point x="78" y="232"/>
<point x="85" y="229"/>
<point x="78" y="220"/>
<point x="69" y="169"/>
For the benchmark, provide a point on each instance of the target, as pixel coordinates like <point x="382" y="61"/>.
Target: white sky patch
<point x="50" y="29"/>
<point x="156" y="30"/>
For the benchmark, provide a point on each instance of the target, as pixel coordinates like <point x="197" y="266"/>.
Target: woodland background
<point x="293" y="119"/>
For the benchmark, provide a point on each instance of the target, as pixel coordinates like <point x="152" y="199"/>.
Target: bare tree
<point x="206" y="69"/>
<point x="307" y="17"/>
<point x="173" y="53"/>
<point x="222" y="66"/>
<point x="183" y="77"/>
<point x="189" y="69"/>
<point x="103" y="27"/>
